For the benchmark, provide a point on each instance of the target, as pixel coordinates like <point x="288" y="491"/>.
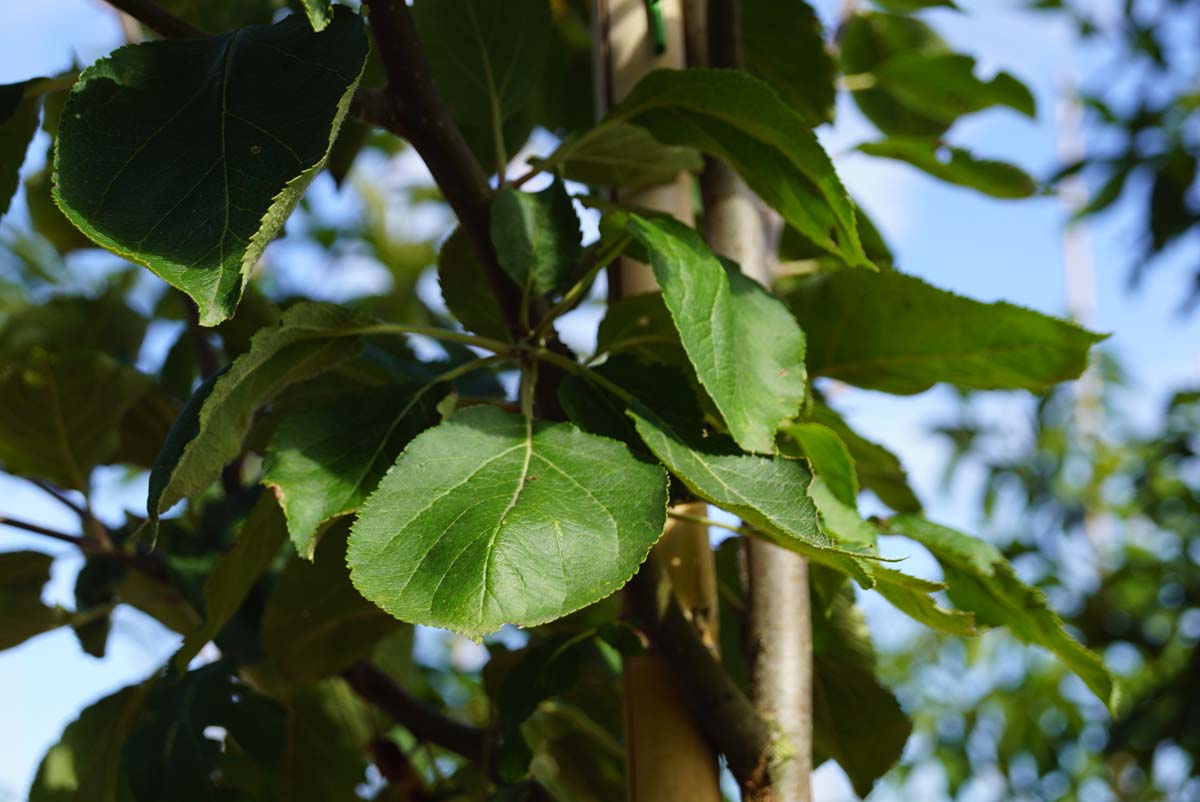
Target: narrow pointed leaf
<point x="768" y="493"/>
<point x="955" y="166"/>
<point x="309" y="339"/>
<point x="911" y="596"/>
<point x="491" y="519"/>
<point x="895" y="333"/>
<point x="235" y="574"/>
<point x="981" y="580"/>
<point x="828" y="455"/>
<point x="537" y="238"/>
<point x="187" y="155"/>
<point x="747" y="350"/>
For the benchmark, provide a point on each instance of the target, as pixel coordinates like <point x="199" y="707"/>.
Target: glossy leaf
<point x="18" y="124"/>
<point x="486" y="56"/>
<point x="54" y="425"/>
<point x="747" y="350"/>
<point x="537" y="238"/>
<point x="626" y="156"/>
<point x="736" y="117"/>
<point x="316" y="623"/>
<point x="981" y="580"/>
<point x="466" y="290"/>
<point x="324" y="461"/>
<point x="955" y="166"/>
<point x="22" y="613"/>
<point x="783" y="44"/>
<point x="235" y="575"/>
<point x="254" y="110"/>
<point x="768" y="493"/>
<point x="892" y="332"/>
<point x="491" y="518"/>
<point x="309" y="339"/>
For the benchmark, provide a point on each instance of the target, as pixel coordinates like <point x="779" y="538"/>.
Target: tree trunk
<point x="668" y="760"/>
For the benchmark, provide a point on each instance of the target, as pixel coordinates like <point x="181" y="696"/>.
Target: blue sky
<point x="957" y="239"/>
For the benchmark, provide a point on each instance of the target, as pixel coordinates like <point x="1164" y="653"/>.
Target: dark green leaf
<point x="95" y="595"/>
<point x="980" y="580"/>
<point x="945" y="86"/>
<point x="324" y="461"/>
<point x="734" y="116"/>
<point x="309" y="339"/>
<point x="640" y="326"/>
<point x="73" y="323"/>
<point x="316" y="623"/>
<point x="768" y="493"/>
<point x="218" y="17"/>
<point x="18" y="124"/>
<point x="254" y="111"/>
<point x="892" y="332"/>
<point x="537" y="238"/>
<point x="53" y="423"/>
<point x="235" y="574"/>
<point x="161" y="600"/>
<point x="955" y="166"/>
<point x="625" y="156"/>
<point x="22" y="613"/>
<point x="878" y="469"/>
<point x="491" y="518"/>
<point x="795" y="247"/>
<point x="325" y="753"/>
<point x="45" y="216"/>
<point x="466" y="290"/>
<point x="747" y="350"/>
<point x="783" y="43"/>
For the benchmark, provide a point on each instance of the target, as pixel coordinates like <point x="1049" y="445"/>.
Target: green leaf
<point x="895" y="333"/>
<point x="18" y="124"/>
<point x="735" y="116"/>
<point x="981" y="580"/>
<point x="955" y="166"/>
<point x="223" y="16"/>
<point x="828" y="455"/>
<point x="770" y="494"/>
<point x="537" y="238"/>
<point x="22" y="613"/>
<point x="54" y="424"/>
<point x="235" y="575"/>
<point x="160" y="600"/>
<point x="747" y="350"/>
<point x="911" y="596"/>
<point x="45" y="216"/>
<point x="839" y="520"/>
<point x="316" y="623"/>
<point x="909" y="6"/>
<point x="95" y="595"/>
<point x="878" y="469"/>
<point x="320" y="13"/>
<point x="75" y="323"/>
<point x="327" y="734"/>
<point x="867" y="743"/>
<point x="324" y="461"/>
<point x="253" y="112"/>
<point x="309" y="339"/>
<point x="625" y="156"/>
<point x="783" y="44"/>
<point x="640" y="326"/>
<point x="491" y="518"/>
<point x="945" y="85"/>
<point x="486" y="56"/>
<point x="795" y="247"/>
<point x="85" y="764"/>
<point x="466" y="290"/>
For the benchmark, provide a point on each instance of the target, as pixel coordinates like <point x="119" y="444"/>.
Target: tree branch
<point x="38" y="529"/>
<point x="425" y="723"/>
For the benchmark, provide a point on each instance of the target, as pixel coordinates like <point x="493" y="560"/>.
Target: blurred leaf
<point x="893" y="332"/>
<point x="235" y="574"/>
<point x="466" y="289"/>
<point x="325" y="747"/>
<point x="160" y="600"/>
<point x="955" y="166"/>
<point x="18" y="124"/>
<point x="944" y="85"/>
<point x="22" y="613"/>
<point x="75" y="323"/>
<point x="256" y="127"/>
<point x="783" y="44"/>
<point x="626" y="156"/>
<point x="219" y="17"/>
<point x="537" y="239"/>
<point x="47" y="219"/>
<point x="95" y="594"/>
<point x="640" y="326"/>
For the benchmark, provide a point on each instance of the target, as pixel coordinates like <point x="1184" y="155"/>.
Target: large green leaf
<point x="22" y="613"/>
<point x="187" y="155"/>
<point x="735" y="116"/>
<point x="325" y="751"/>
<point x="53" y="423"/>
<point x="892" y="332"/>
<point x="625" y="156"/>
<point x="770" y="494"/>
<point x="868" y="741"/>
<point x="486" y="56"/>
<point x="324" y="461"/>
<point x="945" y="85"/>
<point x="309" y="339"/>
<point x="235" y="574"/>
<point x="491" y="518"/>
<point x="783" y="43"/>
<point x="18" y="124"/>
<point x="316" y="623"/>
<point x="466" y="290"/>
<point x="981" y="580"/>
<point x="537" y="238"/>
<point x="878" y="469"/>
<point x="955" y="166"/>
<point x="85" y="764"/>
<point x="747" y="350"/>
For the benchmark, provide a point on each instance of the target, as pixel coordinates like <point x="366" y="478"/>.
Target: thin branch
<point x="38" y="529"/>
<point x="60" y="496"/>
<point x="425" y="723"/>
